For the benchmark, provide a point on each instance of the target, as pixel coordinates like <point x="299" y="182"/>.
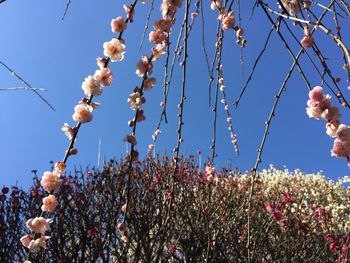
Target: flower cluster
<point x="227" y="19"/>
<point x="320" y="108"/>
<point x="307" y="41"/>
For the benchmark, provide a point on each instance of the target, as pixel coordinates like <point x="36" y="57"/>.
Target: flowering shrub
<point x="295" y="217"/>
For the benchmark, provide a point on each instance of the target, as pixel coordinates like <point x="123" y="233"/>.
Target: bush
<point x="295" y="217"/>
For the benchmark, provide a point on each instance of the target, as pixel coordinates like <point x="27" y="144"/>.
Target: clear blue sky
<point x="57" y="55"/>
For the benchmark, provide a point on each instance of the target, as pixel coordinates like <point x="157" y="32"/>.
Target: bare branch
<point x="29" y="87"/>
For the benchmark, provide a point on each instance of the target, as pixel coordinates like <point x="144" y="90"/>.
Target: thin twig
<point x="21" y="88"/>
<point x="66" y="9"/>
<point x="254" y="66"/>
<point x="147" y="24"/>
<point x="27" y="85"/>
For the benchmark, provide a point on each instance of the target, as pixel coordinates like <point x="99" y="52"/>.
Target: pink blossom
<point x="104" y="76"/>
<point x="129" y="12"/>
<point x="118" y="24"/>
<point x="341" y="148"/>
<point x="101" y="62"/>
<point x="49" y="204"/>
<point x="91" y="87"/>
<point x="292" y="6"/>
<point x="82" y="113"/>
<point x="176" y="3"/>
<point x="269" y="207"/>
<point x="25" y="240"/>
<point x="60" y="167"/>
<point x="158" y="51"/>
<point x="277" y="214"/>
<point x="331" y="113"/>
<point x="114" y="49"/>
<point x="130" y="139"/>
<point x="39" y="224"/>
<point x="307" y="41"/>
<point x="239" y="32"/>
<point x="343" y="133"/>
<point x="156" y="36"/>
<point x="316" y="94"/>
<point x="162" y="25"/>
<point x="135" y="100"/>
<point x="228" y="21"/>
<point x="332" y="127"/>
<point x="325" y="103"/>
<point x="149" y="83"/>
<point x="143" y="66"/>
<point x="68" y="131"/>
<point x="215" y="4"/>
<point x="168" y="11"/>
<point x="140" y="116"/>
<point x="314" y="112"/>
<point x="51" y="181"/>
<point x="37" y="244"/>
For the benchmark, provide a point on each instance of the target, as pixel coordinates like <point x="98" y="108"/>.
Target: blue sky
<point x="57" y="55"/>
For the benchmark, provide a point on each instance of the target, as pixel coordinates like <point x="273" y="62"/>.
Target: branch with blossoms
<point x="320" y="108"/>
<point x="92" y="86"/>
<point x="160" y="38"/>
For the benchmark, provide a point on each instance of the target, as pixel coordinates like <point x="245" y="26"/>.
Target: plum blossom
<point x="144" y="66"/>
<point x="39" y="224"/>
<point x="135" y="100"/>
<point x="49" y="204"/>
<point x="332" y="127"/>
<point x="91" y="87"/>
<point x="307" y="41"/>
<point x="168" y="10"/>
<point x="340" y="148"/>
<point x="68" y="131"/>
<point x="37" y="244"/>
<point x="129" y="12"/>
<point x="343" y="132"/>
<point x="103" y="76"/>
<point x="60" y="167"/>
<point x="25" y="240"/>
<point x="158" y="51"/>
<point x="118" y="24"/>
<point x="156" y="36"/>
<point x="292" y="6"/>
<point x="130" y="139"/>
<point x="51" y="181"/>
<point x="114" y="49"/>
<point x="228" y="21"/>
<point x="149" y="83"/>
<point x="82" y="113"/>
<point x="215" y="4"/>
<point x="101" y="62"/>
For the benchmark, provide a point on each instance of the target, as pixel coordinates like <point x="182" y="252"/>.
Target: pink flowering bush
<point x="295" y="217"/>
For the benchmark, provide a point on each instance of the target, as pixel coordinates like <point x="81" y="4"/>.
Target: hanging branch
<point x="254" y="66"/>
<point x="74" y="131"/>
<point x="219" y="43"/>
<point x="338" y="27"/>
<point x="203" y="41"/>
<point x="28" y="86"/>
<point x="147" y="24"/>
<point x="66" y="9"/>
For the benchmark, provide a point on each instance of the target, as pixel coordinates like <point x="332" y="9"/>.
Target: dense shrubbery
<point x="295" y="217"/>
